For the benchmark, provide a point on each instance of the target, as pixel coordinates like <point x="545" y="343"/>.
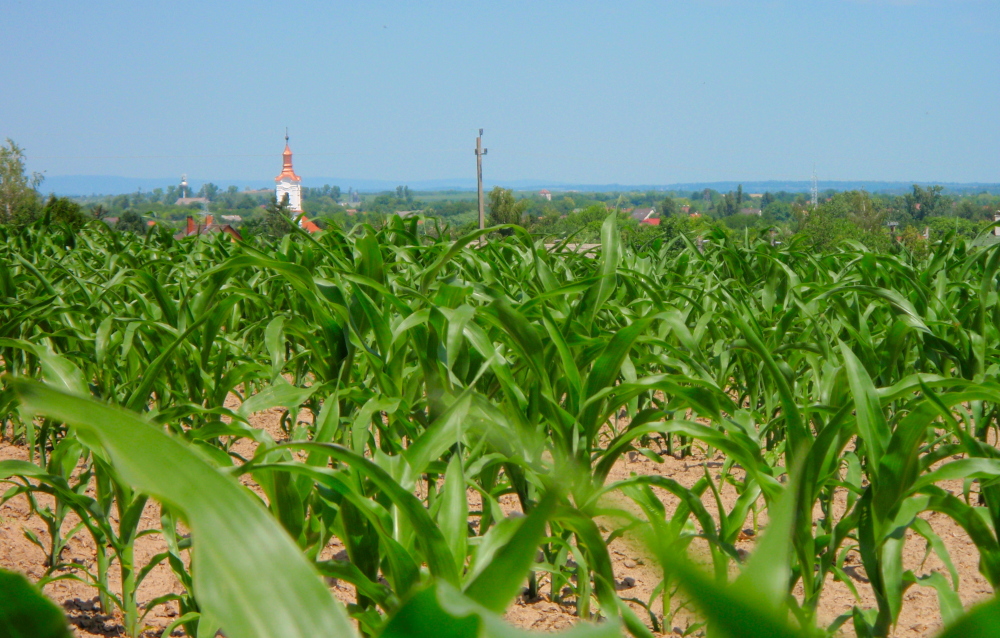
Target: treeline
<point x="879" y="221"/>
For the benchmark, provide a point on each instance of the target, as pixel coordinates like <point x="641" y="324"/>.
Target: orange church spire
<point x="287" y="172"/>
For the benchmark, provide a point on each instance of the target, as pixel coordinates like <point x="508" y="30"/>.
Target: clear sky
<point x="584" y="92"/>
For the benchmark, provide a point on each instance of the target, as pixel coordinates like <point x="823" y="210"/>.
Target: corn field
<point x="441" y="376"/>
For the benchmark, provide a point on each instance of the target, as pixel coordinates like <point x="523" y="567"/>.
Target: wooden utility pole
<point x="480" y="151"/>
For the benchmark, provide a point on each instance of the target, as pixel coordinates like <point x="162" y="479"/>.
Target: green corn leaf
<point x="871" y="421"/>
<point x="235" y="540"/>
<point x="274" y="338"/>
<point x="444" y="612"/>
<point x="983" y="621"/>
<point x="453" y="516"/>
<point x="730" y="612"/>
<point x="500" y="582"/>
<point x="279" y="394"/>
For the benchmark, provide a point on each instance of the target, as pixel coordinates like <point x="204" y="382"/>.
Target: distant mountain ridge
<point x="89" y="185"/>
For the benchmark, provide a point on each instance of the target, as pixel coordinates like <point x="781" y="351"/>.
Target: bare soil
<point x="636" y="575"/>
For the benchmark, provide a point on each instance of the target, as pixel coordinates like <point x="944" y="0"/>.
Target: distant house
<point x="750" y="211"/>
<point x="642" y="214"/>
<point x="309" y="226"/>
<point x="685" y="209"/>
<point x="232" y="219"/>
<point x="652" y="221"/>
<point x="193" y="228"/>
<point x="545" y="194"/>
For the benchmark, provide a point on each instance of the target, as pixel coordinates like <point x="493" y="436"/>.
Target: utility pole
<point x="814" y="191"/>
<point x="480" y="151"/>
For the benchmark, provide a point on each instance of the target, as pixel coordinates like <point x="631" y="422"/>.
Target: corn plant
<point x="432" y="367"/>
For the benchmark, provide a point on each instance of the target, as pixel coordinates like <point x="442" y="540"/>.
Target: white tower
<point x="288" y="183"/>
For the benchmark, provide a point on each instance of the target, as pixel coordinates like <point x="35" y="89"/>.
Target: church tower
<point x="288" y="182"/>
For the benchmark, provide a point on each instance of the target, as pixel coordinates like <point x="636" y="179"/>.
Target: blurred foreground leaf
<point x="235" y="540"/>
<point x="26" y="613"/>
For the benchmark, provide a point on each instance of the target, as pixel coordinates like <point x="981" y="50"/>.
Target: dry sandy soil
<point x="636" y="576"/>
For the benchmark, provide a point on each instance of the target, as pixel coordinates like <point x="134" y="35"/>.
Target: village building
<point x="642" y="214"/>
<point x="209" y="227"/>
<point x="289" y="184"/>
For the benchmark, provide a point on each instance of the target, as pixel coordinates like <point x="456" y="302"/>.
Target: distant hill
<point x="85" y="185"/>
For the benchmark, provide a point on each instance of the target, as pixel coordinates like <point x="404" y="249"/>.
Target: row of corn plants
<point x="432" y="369"/>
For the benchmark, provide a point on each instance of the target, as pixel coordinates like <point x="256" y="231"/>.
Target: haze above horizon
<point x="583" y="92"/>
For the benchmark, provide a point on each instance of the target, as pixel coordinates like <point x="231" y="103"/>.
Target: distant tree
<point x="739" y="196"/>
<point x="915" y="242"/>
<point x="121" y="202"/>
<point x="208" y="191"/>
<point x="926" y="202"/>
<point x="766" y="200"/>
<point x="504" y="209"/>
<point x="741" y="221"/>
<point x="668" y="207"/>
<point x="727" y="205"/>
<point x="277" y="218"/>
<point x="131" y="222"/>
<point x="18" y="197"/>
<point x="403" y="193"/>
<point x="962" y="227"/>
<point x="232" y="190"/>
<point x="62" y="210"/>
<point x="777" y="211"/>
<point x="968" y="209"/>
<point x="868" y="214"/>
<point x="245" y="202"/>
<point x="99" y="212"/>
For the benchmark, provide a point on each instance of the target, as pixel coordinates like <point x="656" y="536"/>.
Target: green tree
<point x="668" y="207"/>
<point x="777" y="211"/>
<point x="277" y="218"/>
<point x="766" y="200"/>
<point x="504" y="209"/>
<point x="868" y="214"/>
<point x="968" y="209"/>
<point x="62" y="210"/>
<point x="131" y="222"/>
<point x="18" y="197"/>
<point x="926" y="202"/>
<point x="941" y="226"/>
<point x="209" y="191"/>
<point x="728" y="205"/>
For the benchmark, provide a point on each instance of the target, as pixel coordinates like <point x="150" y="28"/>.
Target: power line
<point x="222" y="156"/>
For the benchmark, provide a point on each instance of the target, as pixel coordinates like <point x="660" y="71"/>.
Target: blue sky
<point x="584" y="92"/>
